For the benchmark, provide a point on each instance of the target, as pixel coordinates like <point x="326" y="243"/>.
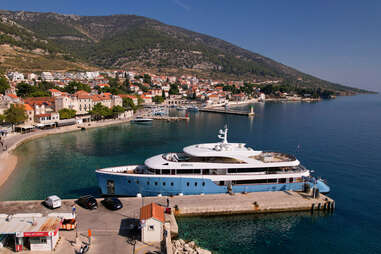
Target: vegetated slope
<point x="129" y="41"/>
<point x="22" y="49"/>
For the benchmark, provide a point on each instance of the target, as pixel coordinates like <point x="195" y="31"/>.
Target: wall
<point x="155" y="235"/>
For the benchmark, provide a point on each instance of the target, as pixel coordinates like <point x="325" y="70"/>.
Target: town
<point x="51" y="99"/>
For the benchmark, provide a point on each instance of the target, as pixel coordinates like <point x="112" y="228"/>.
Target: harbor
<point x="117" y="226"/>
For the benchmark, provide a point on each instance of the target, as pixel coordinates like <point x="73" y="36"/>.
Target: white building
<point x="31" y="231"/>
<point x="16" y="76"/>
<point x="152" y="220"/>
<point x="47" y="76"/>
<point x="92" y="74"/>
<point x="82" y="102"/>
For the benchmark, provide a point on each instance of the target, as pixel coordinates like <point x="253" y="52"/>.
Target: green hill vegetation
<point x="134" y="42"/>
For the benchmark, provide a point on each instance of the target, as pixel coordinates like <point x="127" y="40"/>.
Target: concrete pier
<point x="221" y="110"/>
<point x="170" y="118"/>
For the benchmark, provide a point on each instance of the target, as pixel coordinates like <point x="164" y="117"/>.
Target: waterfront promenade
<point x="9" y="160"/>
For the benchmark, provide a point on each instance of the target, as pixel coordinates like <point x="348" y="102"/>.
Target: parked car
<point x="88" y="202"/>
<point x="112" y="203"/>
<point x="52" y="202"/>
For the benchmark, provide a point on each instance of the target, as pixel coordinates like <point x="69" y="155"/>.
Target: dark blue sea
<point x="339" y="139"/>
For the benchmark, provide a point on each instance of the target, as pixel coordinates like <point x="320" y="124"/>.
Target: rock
<point x="177" y="244"/>
<point x="182" y="242"/>
<point x="192" y="244"/>
<point x="187" y="248"/>
<point x="202" y="251"/>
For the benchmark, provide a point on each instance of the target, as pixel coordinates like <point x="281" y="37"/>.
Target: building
<point x="31" y="231"/>
<point x="152" y="220"/>
<point x="132" y="97"/>
<point x="30" y="114"/>
<point x="16" y="76"/>
<point x="47" y="76"/>
<point x="47" y="119"/>
<point x="82" y="102"/>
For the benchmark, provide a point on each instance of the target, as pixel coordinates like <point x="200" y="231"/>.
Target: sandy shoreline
<point x="7" y="165"/>
<point x="8" y="160"/>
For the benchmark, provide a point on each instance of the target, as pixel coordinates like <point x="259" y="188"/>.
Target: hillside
<point x="129" y="41"/>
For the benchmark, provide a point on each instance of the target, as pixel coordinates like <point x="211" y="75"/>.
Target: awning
<point x="25" y="127"/>
<point x="44" y="124"/>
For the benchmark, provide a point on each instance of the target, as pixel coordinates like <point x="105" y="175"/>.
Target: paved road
<point x="111" y="230"/>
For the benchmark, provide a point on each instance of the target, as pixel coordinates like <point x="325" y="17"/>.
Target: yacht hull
<point x="152" y="185"/>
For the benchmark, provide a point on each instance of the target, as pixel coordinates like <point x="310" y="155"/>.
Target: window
<point x="195" y="184"/>
<point x="203" y="183"/>
<point x="188" y="184"/>
<point x="291" y="180"/>
<point x="282" y="180"/>
<point x="171" y="183"/>
<point x="129" y="181"/>
<point x="163" y="183"/>
<point x="259" y="181"/>
<point x="184" y="171"/>
<point x="165" y="171"/>
<point x="155" y="183"/>
<point x="137" y="181"/>
<point x="42" y="240"/>
<point x="205" y="171"/>
<point x="147" y="183"/>
<point x="157" y="171"/>
<point x="151" y="227"/>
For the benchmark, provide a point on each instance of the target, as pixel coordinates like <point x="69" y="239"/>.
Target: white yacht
<point x="209" y="168"/>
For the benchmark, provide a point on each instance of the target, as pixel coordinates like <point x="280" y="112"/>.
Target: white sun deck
<point x="220" y="149"/>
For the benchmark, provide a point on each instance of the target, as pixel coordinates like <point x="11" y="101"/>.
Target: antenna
<point x="223" y="135"/>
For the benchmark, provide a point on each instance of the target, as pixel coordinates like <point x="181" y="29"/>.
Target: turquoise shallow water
<point x="340" y="139"/>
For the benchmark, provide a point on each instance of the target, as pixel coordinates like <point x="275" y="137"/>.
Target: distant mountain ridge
<point x="129" y="41"/>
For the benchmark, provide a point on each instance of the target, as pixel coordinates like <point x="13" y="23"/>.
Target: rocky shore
<point x="181" y="247"/>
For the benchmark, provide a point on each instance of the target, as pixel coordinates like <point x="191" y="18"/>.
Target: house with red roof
<point x="132" y="97"/>
<point x="30" y="114"/>
<point x="11" y="98"/>
<point x="152" y="221"/>
<point x="55" y="92"/>
<point x="82" y="102"/>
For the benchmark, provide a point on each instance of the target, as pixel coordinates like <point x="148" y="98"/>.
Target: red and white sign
<point x="35" y="234"/>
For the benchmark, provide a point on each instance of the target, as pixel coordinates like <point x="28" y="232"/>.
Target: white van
<point x="53" y="202"/>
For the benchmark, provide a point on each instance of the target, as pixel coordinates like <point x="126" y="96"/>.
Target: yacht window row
<point x="165" y="183"/>
<point x="271" y="170"/>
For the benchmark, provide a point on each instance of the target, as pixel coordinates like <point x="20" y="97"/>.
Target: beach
<point x="8" y="160"/>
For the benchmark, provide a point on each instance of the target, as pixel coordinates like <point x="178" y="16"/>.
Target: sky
<point x="335" y="40"/>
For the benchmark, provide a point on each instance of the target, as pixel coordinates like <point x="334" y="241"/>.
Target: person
<point x="167" y="202"/>
<point x="73" y="210"/>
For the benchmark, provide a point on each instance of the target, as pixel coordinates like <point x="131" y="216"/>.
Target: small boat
<point x="192" y="108"/>
<point x="140" y="119"/>
<point x="181" y="108"/>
